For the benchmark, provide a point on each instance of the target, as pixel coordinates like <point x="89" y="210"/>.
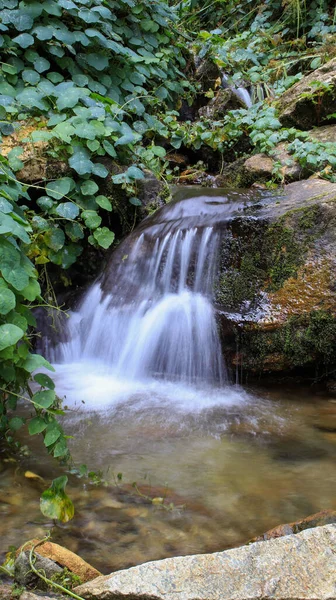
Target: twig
<point x="45" y="579"/>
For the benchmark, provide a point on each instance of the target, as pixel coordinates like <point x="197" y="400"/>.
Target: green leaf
<point x="36" y="361"/>
<point x="32" y="290"/>
<point x="135" y="201"/>
<point x="68" y="210"/>
<point x="158" y="151"/>
<point x="7" y="301"/>
<point x="104" y="202"/>
<point x="15" y="423"/>
<point x="44" y="399"/>
<point x="55" y="504"/>
<point x="37" y="425"/>
<point x="54" y="238"/>
<point x="30" y="76"/>
<point x="70" y="97"/>
<point x="104" y="237"/>
<point x="52" y="436"/>
<point x="109" y="149"/>
<point x="74" y="231"/>
<point x="9" y="225"/>
<point x="44" y="380"/>
<point x="91" y="218"/>
<point x="135" y="173"/>
<point x="9" y="335"/>
<point x="65" y="131"/>
<point x="99" y="170"/>
<point x="93" y="145"/>
<point x="59" y="188"/>
<point x="89" y="188"/>
<point x="45" y="203"/>
<point x="60" y="449"/>
<point x="5" y="206"/>
<point x="24" y="40"/>
<point x="41" y="64"/>
<point x="97" y="61"/>
<point x="80" y="162"/>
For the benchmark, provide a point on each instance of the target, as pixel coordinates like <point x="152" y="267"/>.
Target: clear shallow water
<point x="139" y="367"/>
<point x="232" y="463"/>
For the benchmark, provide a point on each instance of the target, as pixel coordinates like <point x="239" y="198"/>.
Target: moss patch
<point x="256" y="256"/>
<point x="302" y="341"/>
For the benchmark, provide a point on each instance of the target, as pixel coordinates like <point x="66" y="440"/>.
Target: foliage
<point x="55" y="503"/>
<point x="19" y="292"/>
<point x="79" y="79"/>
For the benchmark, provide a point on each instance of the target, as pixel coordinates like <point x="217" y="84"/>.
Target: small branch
<point x="45" y="579"/>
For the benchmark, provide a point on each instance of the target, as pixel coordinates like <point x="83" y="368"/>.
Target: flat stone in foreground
<point x="294" y="567"/>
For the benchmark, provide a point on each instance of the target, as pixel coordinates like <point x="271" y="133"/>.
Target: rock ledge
<point x="294" y="567"/>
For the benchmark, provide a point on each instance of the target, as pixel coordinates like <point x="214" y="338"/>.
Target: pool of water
<point x="228" y="463"/>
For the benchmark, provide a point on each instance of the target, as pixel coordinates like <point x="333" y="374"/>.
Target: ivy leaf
<point x="99" y="170"/>
<point x="135" y="173"/>
<point x="80" y="162"/>
<point x="89" y="188"/>
<point x="104" y="202"/>
<point x="54" y="238"/>
<point x="30" y="76"/>
<point x="41" y="64"/>
<point x="109" y="149"/>
<point x="44" y="399"/>
<point x="68" y="210"/>
<point x="9" y="335"/>
<point x="135" y="201"/>
<point x="74" y="231"/>
<point x="104" y="237"/>
<point x="32" y="290"/>
<point x="97" y="61"/>
<point x="5" y="206"/>
<point x="55" y="504"/>
<point x="91" y="218"/>
<point x="65" y="131"/>
<point x="60" y="449"/>
<point x="7" y="301"/>
<point x="36" y="361"/>
<point x="37" y="425"/>
<point x="59" y="188"/>
<point x="15" y="423"/>
<point x="52" y="435"/>
<point x="44" y="380"/>
<point x="24" y="40"/>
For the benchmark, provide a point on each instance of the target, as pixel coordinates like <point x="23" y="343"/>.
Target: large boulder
<point x="301" y="566"/>
<point x="310" y="101"/>
<point x="276" y="286"/>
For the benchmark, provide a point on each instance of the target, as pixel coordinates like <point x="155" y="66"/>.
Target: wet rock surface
<point x="296" y="566"/>
<point x="276" y="287"/>
<point x="25" y="576"/>
<point x="311" y="100"/>
<point x="325" y="517"/>
<point x="65" y="558"/>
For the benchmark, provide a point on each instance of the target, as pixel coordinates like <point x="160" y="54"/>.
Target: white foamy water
<point x="238" y="90"/>
<point x="146" y="331"/>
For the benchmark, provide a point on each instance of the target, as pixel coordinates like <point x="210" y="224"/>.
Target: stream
<point x="191" y="461"/>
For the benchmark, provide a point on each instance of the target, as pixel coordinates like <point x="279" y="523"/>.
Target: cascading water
<point x="157" y="320"/>
<point x="148" y="322"/>
<point x="240" y="91"/>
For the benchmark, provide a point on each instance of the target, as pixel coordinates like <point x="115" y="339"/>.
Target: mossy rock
<point x="276" y="285"/>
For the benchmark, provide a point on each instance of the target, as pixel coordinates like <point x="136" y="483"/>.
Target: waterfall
<point x="150" y="315"/>
<point x="240" y="91"/>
